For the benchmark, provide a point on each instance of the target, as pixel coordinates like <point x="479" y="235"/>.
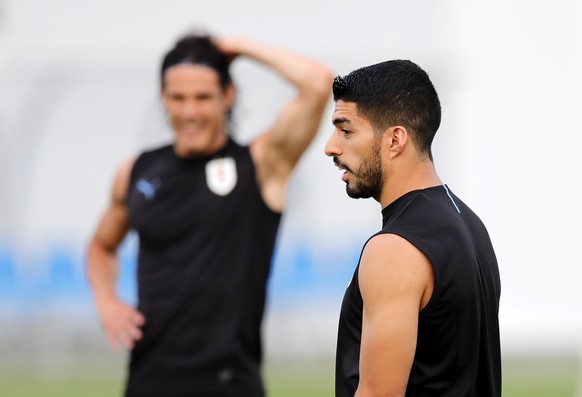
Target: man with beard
<point x="420" y="316"/>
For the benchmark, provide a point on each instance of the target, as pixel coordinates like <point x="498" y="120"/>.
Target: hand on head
<point x="230" y="46"/>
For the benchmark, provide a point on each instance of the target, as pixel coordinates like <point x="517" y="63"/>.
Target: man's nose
<point x="190" y="110"/>
<point x="332" y="146"/>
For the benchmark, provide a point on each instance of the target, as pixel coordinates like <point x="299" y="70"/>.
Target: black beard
<point x="368" y="177"/>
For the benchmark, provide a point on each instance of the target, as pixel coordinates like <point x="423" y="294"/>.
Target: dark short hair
<point x="396" y="92"/>
<point x="198" y="49"/>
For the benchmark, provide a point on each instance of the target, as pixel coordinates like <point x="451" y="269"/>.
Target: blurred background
<point x="79" y="94"/>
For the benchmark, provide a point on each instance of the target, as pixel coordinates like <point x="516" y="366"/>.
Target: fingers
<point x="135" y="334"/>
<point x="113" y="342"/>
<point x="138" y="319"/>
<point x="122" y="325"/>
<point x="125" y="338"/>
<point x="229" y="46"/>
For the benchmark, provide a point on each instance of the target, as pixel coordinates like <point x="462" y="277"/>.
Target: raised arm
<point x="396" y="282"/>
<point x="277" y="151"/>
<point x="120" y="321"/>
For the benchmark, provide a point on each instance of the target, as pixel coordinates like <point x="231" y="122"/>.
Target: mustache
<point x="338" y="163"/>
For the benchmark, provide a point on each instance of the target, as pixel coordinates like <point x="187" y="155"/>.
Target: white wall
<point x="78" y="93"/>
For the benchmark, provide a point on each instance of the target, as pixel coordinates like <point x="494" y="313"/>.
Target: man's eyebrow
<point x="341" y="120"/>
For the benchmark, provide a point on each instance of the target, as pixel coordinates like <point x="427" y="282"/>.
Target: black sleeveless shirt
<point x="206" y="240"/>
<point x="458" y="345"/>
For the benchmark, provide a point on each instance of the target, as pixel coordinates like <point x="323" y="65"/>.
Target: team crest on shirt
<point x="221" y="175"/>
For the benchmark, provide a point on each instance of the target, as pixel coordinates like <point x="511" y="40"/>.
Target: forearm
<point x="121" y="322"/>
<point x="304" y="73"/>
<point x="102" y="272"/>
<point x="277" y="151"/>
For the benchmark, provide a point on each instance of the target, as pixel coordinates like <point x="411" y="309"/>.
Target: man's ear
<point x="397" y="139"/>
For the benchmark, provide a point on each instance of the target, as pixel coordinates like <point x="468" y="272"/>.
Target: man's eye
<point x="345" y="132"/>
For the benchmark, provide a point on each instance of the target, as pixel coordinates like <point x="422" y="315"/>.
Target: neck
<point x="185" y="150"/>
<point x="414" y="176"/>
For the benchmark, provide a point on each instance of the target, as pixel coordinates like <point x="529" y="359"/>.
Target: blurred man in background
<point x="207" y="211"/>
<point x="420" y="316"/>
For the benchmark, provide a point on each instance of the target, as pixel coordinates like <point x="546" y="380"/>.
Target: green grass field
<point x="522" y="378"/>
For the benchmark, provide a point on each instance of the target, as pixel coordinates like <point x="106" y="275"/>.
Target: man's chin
<point x="190" y="150"/>
<point x="357" y="194"/>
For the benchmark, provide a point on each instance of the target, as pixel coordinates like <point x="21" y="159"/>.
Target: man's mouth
<point x="191" y="127"/>
<point x="342" y="168"/>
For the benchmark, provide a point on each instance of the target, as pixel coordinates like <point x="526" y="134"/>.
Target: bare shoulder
<point x="121" y="180"/>
<point x="391" y="268"/>
<point x="114" y="222"/>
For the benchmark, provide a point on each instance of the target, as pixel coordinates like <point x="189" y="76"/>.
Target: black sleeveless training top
<point x="458" y="346"/>
<point x="206" y="240"/>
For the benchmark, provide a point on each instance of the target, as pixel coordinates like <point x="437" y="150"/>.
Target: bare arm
<point x="396" y="282"/>
<point x="277" y="151"/>
<point x="121" y="322"/>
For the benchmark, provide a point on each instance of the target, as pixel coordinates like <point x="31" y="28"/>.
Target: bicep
<point x="277" y="151"/>
<point x="394" y="276"/>
<point x="292" y="131"/>
<point x="295" y="127"/>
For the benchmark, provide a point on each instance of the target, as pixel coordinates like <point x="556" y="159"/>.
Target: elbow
<point x="322" y="82"/>
<point x="97" y="249"/>
<point x="318" y="82"/>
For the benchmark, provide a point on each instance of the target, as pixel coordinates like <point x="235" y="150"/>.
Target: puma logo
<point x="147" y="188"/>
